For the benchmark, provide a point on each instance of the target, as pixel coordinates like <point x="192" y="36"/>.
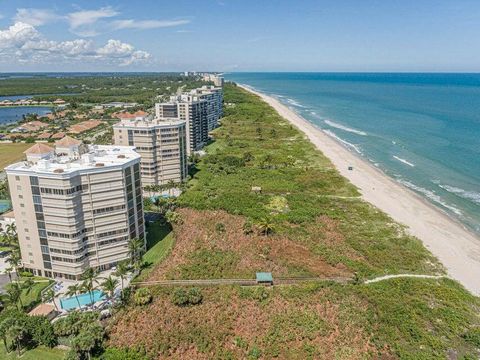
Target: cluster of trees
<point x="83" y="332"/>
<point x="19" y="331"/>
<point x="4" y="192"/>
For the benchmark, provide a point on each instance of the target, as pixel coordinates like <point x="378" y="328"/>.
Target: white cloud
<point x="82" y="22"/>
<point x="17" y="34"/>
<point x="35" y="17"/>
<point x="126" y="52"/>
<point x="22" y="42"/>
<point x="146" y="24"/>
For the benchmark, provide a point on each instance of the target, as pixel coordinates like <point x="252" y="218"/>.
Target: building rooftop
<point x="42" y="310"/>
<point x="156" y="122"/>
<point x="39" y="148"/>
<point x="96" y="158"/>
<point x="67" y="141"/>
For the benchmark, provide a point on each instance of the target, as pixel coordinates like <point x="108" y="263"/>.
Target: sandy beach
<point x="457" y="248"/>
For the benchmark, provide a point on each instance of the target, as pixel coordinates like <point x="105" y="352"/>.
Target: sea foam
<point x="468" y="195"/>
<point x="345" y="128"/>
<point x="406" y="162"/>
<point x="350" y="145"/>
<point x="431" y="195"/>
<point x="294" y="103"/>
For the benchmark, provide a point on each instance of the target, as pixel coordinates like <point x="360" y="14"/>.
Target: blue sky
<point x="240" y="35"/>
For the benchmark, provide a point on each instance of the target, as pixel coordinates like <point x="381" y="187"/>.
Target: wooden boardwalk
<point x="241" y="282"/>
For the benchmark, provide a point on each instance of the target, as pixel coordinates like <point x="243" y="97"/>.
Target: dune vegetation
<point x="263" y="199"/>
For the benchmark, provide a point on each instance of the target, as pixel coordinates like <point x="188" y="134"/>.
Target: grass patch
<point x="39" y="353"/>
<point x="31" y="298"/>
<point x="160" y="241"/>
<point x="11" y="153"/>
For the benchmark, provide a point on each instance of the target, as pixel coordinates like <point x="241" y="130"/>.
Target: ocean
<point x="422" y="129"/>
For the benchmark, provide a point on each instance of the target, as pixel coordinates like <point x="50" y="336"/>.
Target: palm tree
<point x="89" y="277"/>
<point x="74" y="290"/>
<point x="136" y="247"/>
<point x="157" y="202"/>
<point x="50" y="296"/>
<point x="122" y="270"/>
<point x="17" y="332"/>
<point x="9" y="270"/>
<point x="15" y="294"/>
<point x="28" y="285"/>
<point x="266" y="226"/>
<point x="109" y="286"/>
<point x="171" y="185"/>
<point x="15" y="260"/>
<point x="11" y="232"/>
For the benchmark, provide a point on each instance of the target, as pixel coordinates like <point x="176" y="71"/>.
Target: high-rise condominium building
<point x="161" y="144"/>
<point x="76" y="206"/>
<point x="214" y="98"/>
<point x="193" y="110"/>
<point x="216" y="79"/>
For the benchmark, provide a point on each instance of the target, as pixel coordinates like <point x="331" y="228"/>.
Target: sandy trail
<point x="457" y="248"/>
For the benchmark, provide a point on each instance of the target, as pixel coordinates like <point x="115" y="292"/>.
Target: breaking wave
<point x="406" y="162"/>
<point x="468" y="195"/>
<point x="345" y="128"/>
<point x="431" y="195"/>
<point x="350" y="145"/>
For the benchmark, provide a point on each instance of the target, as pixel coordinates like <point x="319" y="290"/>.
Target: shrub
<point x="220" y="228"/>
<point x="142" y="296"/>
<point x="41" y="331"/>
<point x="473" y="336"/>
<point x="26" y="274"/>
<point x="123" y="354"/>
<point x="182" y="297"/>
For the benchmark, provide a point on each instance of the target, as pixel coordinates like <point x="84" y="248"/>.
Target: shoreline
<point x="447" y="239"/>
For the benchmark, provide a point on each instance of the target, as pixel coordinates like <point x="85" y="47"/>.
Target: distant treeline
<point x="140" y="88"/>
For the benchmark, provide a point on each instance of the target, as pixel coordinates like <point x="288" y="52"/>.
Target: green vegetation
<point x="30" y="296"/>
<point x="19" y="331"/>
<point x="39" y="353"/>
<point x="11" y="153"/>
<point x="184" y="297"/>
<point x="301" y="193"/>
<point x="160" y="241"/>
<point x="140" y="88"/>
<point x="262" y="177"/>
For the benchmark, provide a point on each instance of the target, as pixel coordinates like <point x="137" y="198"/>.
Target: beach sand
<point x="457" y="248"/>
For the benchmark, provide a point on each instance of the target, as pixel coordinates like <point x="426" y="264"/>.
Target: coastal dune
<point x="457" y="248"/>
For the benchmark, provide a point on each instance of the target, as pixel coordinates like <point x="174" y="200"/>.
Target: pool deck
<point x="60" y="293"/>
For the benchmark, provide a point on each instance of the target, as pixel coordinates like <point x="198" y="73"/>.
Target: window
<point x="17" y="178"/>
<point x="19" y="187"/>
<point x="20" y="196"/>
<point x="26" y="230"/>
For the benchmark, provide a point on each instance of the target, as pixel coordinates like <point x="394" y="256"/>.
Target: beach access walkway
<point x="278" y="280"/>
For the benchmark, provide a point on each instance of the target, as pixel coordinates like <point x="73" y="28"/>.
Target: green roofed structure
<point x="264" y="278"/>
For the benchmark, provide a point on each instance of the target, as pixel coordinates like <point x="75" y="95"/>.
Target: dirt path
<point x="386" y="277"/>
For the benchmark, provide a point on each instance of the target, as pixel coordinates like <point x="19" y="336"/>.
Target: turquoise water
<point x="84" y="299"/>
<point x="5" y="205"/>
<point x="421" y="129"/>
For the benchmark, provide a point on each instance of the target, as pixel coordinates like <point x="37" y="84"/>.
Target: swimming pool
<point x="84" y="299"/>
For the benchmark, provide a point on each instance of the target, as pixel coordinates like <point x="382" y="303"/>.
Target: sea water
<point x="421" y="129"/>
